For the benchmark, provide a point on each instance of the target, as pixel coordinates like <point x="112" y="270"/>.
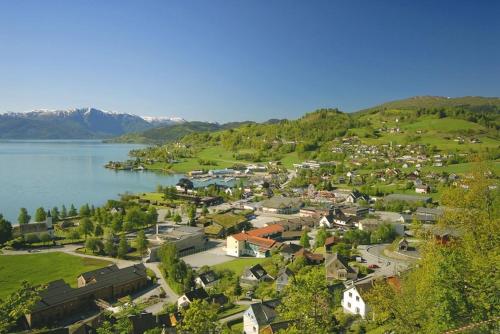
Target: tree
<point x="191" y="213"/>
<point x="18" y="304"/>
<point x="321" y="237"/>
<point x="383" y="233"/>
<point x="54" y="213"/>
<point x="24" y="217"/>
<point x="177" y="218"/>
<point x="455" y="282"/>
<point x="98" y="231"/>
<point x="133" y="218"/>
<point x="84" y="211"/>
<point x="74" y="234"/>
<point x="72" y="211"/>
<point x="109" y="245"/>
<point x="308" y="299"/>
<point x="123" y="247"/>
<point x="151" y="215"/>
<point x="141" y="242"/>
<point x="199" y="318"/>
<point x="86" y="227"/>
<point x="94" y="244"/>
<point x="64" y="212"/>
<point x="5" y="230"/>
<point x="304" y="240"/>
<point x="40" y="215"/>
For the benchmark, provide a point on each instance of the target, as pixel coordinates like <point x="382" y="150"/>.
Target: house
<point x="190" y="296"/>
<point x="245" y="244"/>
<point x="407" y="198"/>
<point x="356" y="196"/>
<point x="330" y="242"/>
<point x="187" y="239"/>
<point x="403" y="245"/>
<point x="288" y="251"/>
<point x="282" y="205"/>
<point x="259" y="315"/>
<point x="284" y="277"/>
<point x="254" y="274"/>
<point x="327" y="221"/>
<point x="37" y="228"/>
<point x="352" y="299"/>
<point x="337" y="268"/>
<point x="422" y="189"/>
<point x="60" y="301"/>
<point x="355" y="211"/>
<point x="372" y="224"/>
<point x="207" y="279"/>
<point x="310" y="257"/>
<point x="276" y="327"/>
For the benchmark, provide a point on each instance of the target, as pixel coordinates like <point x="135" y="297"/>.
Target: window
<point x="357" y="298"/>
<point x="350" y="294"/>
<point x="349" y="305"/>
<point x="357" y="310"/>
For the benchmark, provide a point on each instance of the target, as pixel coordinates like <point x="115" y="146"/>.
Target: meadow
<point x="43" y="268"/>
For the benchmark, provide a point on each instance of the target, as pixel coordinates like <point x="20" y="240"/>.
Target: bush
<point x="31" y="238"/>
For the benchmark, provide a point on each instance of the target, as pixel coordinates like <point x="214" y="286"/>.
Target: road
<point x="374" y="254"/>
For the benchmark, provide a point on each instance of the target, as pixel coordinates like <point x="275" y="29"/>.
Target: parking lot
<point x="209" y="257"/>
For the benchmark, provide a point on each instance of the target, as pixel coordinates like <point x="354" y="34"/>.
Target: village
<point x="243" y="242"/>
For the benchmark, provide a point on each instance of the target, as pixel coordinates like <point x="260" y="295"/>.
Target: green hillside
<point x="444" y="125"/>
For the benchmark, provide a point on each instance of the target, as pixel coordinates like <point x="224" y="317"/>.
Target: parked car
<point x="373" y="266"/>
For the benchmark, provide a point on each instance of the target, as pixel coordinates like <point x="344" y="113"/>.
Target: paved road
<point x="375" y="255"/>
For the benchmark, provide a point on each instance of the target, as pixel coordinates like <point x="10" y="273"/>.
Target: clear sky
<point x="237" y="60"/>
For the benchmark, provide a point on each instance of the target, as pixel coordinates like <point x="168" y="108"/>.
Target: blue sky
<point x="237" y="60"/>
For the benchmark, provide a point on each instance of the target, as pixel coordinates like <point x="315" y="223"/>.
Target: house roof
<point x="208" y="277"/>
<point x="267" y="230"/>
<point x="290" y="248"/>
<point x="59" y="291"/>
<point x="330" y="258"/>
<point x="258" y="241"/>
<point x="275" y="327"/>
<point x="285" y="271"/>
<point x="257" y="271"/>
<point x="95" y="274"/>
<point x="331" y="240"/>
<point x="194" y="294"/>
<point x="310" y="255"/>
<point x="265" y="312"/>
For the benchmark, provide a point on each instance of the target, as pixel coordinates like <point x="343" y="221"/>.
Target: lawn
<point x="233" y="310"/>
<point x="43" y="268"/>
<point x="238" y="265"/>
<point x="227" y="220"/>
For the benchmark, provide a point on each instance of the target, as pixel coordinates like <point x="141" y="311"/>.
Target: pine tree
<point x="24" y="217"/>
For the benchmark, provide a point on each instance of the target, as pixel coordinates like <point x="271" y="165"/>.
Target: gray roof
<point x="198" y="293"/>
<point x="59" y="291"/>
<point x="265" y="312"/>
<point x="257" y="271"/>
<point x="208" y="277"/>
<point x="407" y="198"/>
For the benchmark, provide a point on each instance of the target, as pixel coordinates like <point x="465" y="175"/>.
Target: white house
<point x="190" y="296"/>
<point x="352" y="300"/>
<point x="259" y="315"/>
<point x="207" y="279"/>
<point x="326" y="221"/>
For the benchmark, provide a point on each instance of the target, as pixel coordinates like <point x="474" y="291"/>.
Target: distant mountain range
<point x="80" y="123"/>
<point x="91" y="123"/>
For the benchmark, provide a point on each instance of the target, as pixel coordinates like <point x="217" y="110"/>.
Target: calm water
<point x="52" y="173"/>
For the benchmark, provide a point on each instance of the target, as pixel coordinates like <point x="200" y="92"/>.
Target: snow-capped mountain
<point x="77" y="123"/>
<point x="162" y="120"/>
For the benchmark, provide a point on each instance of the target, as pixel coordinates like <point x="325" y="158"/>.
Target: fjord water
<point x="52" y="173"/>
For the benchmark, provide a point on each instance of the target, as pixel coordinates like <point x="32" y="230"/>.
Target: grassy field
<point x="238" y="265"/>
<point x="42" y="268"/>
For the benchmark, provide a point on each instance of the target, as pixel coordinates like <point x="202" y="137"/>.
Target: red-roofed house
<point x="242" y="244"/>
